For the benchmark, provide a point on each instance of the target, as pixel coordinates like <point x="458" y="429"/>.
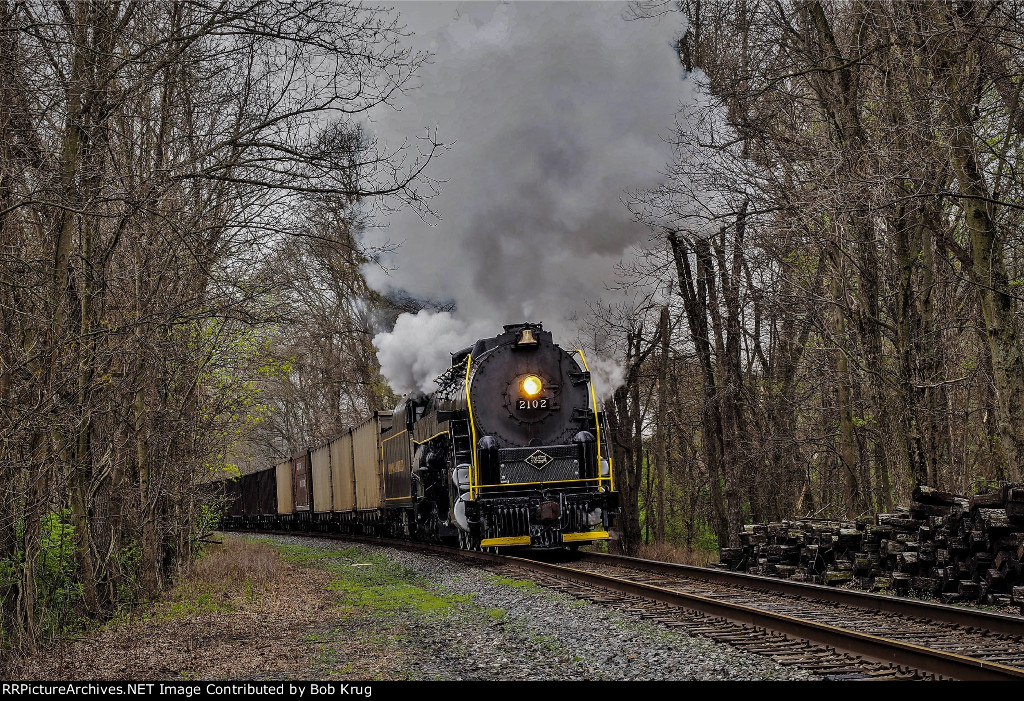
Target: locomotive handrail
<point x="531" y="484"/>
<point x="597" y="423"/>
<point x="472" y="433"/>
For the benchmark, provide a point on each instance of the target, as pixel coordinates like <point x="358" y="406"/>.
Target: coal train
<point x="510" y="451"/>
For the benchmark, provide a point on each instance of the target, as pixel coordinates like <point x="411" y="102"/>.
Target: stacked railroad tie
<point x="957" y="548"/>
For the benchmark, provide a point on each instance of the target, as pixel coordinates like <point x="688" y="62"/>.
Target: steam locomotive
<point x="509" y="451"/>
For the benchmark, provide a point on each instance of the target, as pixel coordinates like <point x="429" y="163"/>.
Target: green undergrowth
<point x="194" y="601"/>
<point x="374" y="584"/>
<point x="527" y="586"/>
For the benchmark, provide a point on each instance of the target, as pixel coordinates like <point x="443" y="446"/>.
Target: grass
<point x="524" y="584"/>
<point x="239" y="563"/>
<point x="372" y="583"/>
<point x="548" y="644"/>
<point x="196" y="602"/>
<point x="376" y="597"/>
<point x="327" y="657"/>
<point x="222" y="579"/>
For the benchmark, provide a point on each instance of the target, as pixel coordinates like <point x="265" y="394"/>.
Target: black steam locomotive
<point x="509" y="451"/>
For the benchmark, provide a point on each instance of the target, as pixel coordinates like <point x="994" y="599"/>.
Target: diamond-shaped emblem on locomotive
<point x="539" y="459"/>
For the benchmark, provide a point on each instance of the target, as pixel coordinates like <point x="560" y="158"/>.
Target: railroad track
<point x="840" y="634"/>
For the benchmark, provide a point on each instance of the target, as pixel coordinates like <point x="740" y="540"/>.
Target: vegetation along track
<point x="837" y="633"/>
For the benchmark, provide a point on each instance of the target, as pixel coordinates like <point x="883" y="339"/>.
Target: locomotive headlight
<point x="532" y="386"/>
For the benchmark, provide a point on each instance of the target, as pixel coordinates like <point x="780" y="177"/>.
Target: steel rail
<point x="940" y="613"/>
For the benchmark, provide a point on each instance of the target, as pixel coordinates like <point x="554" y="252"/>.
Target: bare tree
<point x="840" y="221"/>
<point x="153" y="153"/>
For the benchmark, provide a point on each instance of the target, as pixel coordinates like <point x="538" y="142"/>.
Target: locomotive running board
<point x="525" y="539"/>
<point x="510" y="540"/>
<point x="592" y="535"/>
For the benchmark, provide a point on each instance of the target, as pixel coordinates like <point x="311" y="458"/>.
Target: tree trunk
<point x="617" y="411"/>
<point x="661" y="429"/>
<point x="694" y="297"/>
<point x="987" y="241"/>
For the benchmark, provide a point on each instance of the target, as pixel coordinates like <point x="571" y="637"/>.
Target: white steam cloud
<point x="419" y="349"/>
<point x="605" y="374"/>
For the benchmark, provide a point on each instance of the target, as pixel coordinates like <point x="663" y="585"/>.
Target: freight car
<point x="510" y="451"/>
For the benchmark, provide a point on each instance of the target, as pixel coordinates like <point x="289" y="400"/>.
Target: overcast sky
<point x="554" y="110"/>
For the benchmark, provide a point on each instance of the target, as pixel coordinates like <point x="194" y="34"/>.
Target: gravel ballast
<point x="511" y="629"/>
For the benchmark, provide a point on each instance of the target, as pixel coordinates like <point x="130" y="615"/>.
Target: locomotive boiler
<point x="509" y="451"/>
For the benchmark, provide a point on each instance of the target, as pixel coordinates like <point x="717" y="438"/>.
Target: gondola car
<point x="509" y="451"/>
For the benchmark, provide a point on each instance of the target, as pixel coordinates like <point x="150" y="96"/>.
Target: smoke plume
<point x="556" y="110"/>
